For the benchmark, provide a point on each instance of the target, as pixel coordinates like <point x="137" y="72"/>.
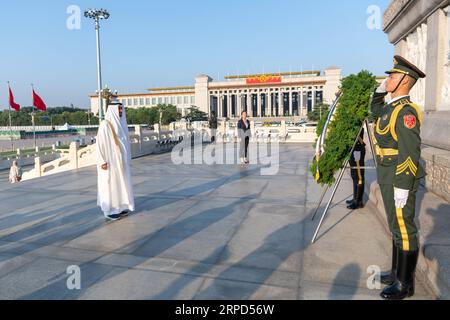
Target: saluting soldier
<point x="397" y="144"/>
<point x="357" y="162"/>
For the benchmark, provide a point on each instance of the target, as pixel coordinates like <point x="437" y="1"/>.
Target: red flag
<point x="38" y="103"/>
<point x="13" y="105"/>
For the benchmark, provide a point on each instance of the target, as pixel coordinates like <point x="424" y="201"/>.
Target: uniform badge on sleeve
<point x="410" y="121"/>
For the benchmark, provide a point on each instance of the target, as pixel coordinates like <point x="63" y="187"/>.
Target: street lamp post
<point x="98" y="15"/>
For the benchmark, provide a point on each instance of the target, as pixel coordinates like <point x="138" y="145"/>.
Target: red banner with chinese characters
<point x="264" y="79"/>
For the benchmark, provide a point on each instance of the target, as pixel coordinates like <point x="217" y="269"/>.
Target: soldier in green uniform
<point x="357" y="162"/>
<point x="397" y="144"/>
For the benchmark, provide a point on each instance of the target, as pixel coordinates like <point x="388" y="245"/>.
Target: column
<point x="239" y="104"/>
<point x="219" y="106"/>
<point x="249" y="104"/>
<point x="280" y="103"/>
<point x="269" y="103"/>
<point x="313" y="99"/>
<point x="229" y="103"/>
<point x="291" y="112"/>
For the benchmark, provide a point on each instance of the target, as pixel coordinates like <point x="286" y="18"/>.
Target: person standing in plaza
<point x="115" y="192"/>
<point x="357" y="162"/>
<point x="398" y="148"/>
<point x="15" y="173"/>
<point x="244" y="134"/>
<point x="213" y="126"/>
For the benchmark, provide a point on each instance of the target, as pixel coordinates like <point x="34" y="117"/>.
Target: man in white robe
<point x="115" y="192"/>
<point x="15" y="173"/>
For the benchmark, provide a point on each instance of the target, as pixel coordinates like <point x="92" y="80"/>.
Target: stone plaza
<point x="199" y="232"/>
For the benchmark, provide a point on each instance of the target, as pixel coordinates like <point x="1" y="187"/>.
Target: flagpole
<point x="10" y="122"/>
<point x="32" y="118"/>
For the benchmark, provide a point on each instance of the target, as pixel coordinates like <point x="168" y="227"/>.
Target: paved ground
<point x="200" y="232"/>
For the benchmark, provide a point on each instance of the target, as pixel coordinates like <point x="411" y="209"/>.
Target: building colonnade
<point x="276" y="102"/>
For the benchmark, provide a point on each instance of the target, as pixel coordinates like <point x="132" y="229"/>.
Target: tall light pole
<point x="97" y="15"/>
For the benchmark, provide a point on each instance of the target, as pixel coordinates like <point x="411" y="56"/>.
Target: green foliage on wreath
<point x="352" y="110"/>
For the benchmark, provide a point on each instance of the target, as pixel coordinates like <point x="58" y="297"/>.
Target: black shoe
<point x="113" y="217"/>
<point x="355" y="205"/>
<point x="403" y="287"/>
<point x="125" y="213"/>
<point x="388" y="278"/>
<point x="349" y="202"/>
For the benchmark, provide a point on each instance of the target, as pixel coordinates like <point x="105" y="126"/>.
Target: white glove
<point x="382" y="87"/>
<point x="357" y="155"/>
<point x="400" y="197"/>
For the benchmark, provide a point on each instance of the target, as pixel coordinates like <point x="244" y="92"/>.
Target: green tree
<point x="319" y="111"/>
<point x="53" y="116"/>
<point x="169" y="113"/>
<point x="141" y="116"/>
<point x="17" y="118"/>
<point x="194" y="114"/>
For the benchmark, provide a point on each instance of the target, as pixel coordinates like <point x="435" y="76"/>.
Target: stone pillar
<point x="239" y="104"/>
<point x="436" y="59"/>
<point x="18" y="152"/>
<point x="138" y="132"/>
<point x="229" y="104"/>
<point x="202" y="93"/>
<point x="252" y="128"/>
<point x="249" y="104"/>
<point x="269" y="103"/>
<point x="223" y="127"/>
<point x="219" y="106"/>
<point x="37" y="167"/>
<point x="280" y="103"/>
<point x="313" y="102"/>
<point x="73" y="155"/>
<point x="283" y="130"/>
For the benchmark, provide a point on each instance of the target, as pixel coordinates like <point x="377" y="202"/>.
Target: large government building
<point x="261" y="95"/>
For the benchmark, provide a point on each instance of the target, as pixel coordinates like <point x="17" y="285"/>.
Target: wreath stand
<point x="341" y="175"/>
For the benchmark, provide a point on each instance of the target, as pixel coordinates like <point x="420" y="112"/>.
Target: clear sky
<point x="149" y="43"/>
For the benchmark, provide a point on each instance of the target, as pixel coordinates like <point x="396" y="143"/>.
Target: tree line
<point x="59" y="116"/>
<point x="52" y="117"/>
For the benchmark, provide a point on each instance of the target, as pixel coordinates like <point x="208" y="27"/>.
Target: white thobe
<point x="115" y="192"/>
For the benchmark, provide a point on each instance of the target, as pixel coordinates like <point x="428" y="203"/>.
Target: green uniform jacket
<point x="398" y="142"/>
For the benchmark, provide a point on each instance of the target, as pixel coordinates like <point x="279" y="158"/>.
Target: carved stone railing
<point x="282" y="133"/>
<point x="28" y="159"/>
<point x="142" y="144"/>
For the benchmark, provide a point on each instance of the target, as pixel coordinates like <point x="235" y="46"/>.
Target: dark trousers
<point x="358" y="176"/>
<point x="244" y="147"/>
<point x="401" y="221"/>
